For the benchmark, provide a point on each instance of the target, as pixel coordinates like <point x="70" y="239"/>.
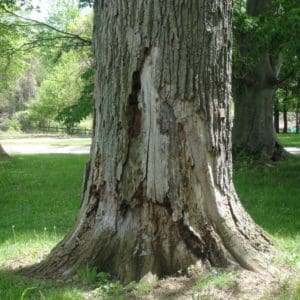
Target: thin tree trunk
<point x="276" y="116"/>
<point x="297" y="117"/>
<point x="285" y="120"/>
<point x="158" y="194"/>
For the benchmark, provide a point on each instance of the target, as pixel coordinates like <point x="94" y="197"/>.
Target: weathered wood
<point x="159" y="194"/>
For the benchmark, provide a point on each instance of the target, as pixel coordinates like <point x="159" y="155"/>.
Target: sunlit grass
<point x="40" y="197"/>
<point x="271" y="194"/>
<point x="289" y="139"/>
<point x="39" y="200"/>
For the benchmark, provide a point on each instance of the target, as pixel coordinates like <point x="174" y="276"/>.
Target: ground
<point x="48" y="144"/>
<point x="30" y="144"/>
<point x="37" y="209"/>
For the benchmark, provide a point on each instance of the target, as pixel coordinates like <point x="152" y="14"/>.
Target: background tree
<point x="265" y="40"/>
<point x="158" y="194"/>
<point x="61" y="47"/>
<point x="288" y="103"/>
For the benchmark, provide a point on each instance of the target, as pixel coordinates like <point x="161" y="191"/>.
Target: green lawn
<point x="40" y="196"/>
<point x="271" y="194"/>
<point x="289" y="139"/>
<point x="40" y="199"/>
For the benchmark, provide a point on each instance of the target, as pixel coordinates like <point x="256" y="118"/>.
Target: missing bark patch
<point x="135" y="114"/>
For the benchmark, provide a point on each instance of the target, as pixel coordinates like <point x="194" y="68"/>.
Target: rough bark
<point x="158" y="194"/>
<point x="253" y="131"/>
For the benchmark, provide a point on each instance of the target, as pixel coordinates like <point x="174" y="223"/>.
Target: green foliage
<point x="61" y="65"/>
<point x="61" y="89"/>
<point x="275" y="30"/>
<point x="10" y="125"/>
<point x="74" y="114"/>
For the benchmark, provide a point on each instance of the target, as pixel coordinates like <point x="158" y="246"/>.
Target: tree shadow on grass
<point x="39" y="193"/>
<point x="14" y="286"/>
<point x="271" y="195"/>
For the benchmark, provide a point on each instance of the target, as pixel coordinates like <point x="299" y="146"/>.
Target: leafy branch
<point x="42" y="41"/>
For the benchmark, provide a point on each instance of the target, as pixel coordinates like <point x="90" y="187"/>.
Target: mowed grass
<point x="40" y="197"/>
<point x="271" y="195"/>
<point x="289" y="139"/>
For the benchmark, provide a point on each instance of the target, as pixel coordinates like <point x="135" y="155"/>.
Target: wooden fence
<point x="56" y="129"/>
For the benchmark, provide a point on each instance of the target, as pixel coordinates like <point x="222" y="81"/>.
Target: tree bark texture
<point x="253" y="131"/>
<point x="158" y="194"/>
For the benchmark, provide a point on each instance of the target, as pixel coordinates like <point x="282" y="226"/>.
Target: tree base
<point x="156" y="245"/>
<point x="274" y="153"/>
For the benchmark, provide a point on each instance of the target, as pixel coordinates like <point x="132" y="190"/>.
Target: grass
<point x="40" y="199"/>
<point x="289" y="139"/>
<point x="219" y="280"/>
<point x="271" y="194"/>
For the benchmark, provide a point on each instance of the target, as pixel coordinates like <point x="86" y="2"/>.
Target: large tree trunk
<point x="158" y="193"/>
<point x="253" y="131"/>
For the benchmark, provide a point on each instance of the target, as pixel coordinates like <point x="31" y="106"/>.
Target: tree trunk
<point x="253" y="131"/>
<point x="276" y="116"/>
<point x="158" y="194"/>
<point x="3" y="154"/>
<point x="297" y="117"/>
<point x="285" y="120"/>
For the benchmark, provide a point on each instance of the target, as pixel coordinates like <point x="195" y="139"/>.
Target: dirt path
<point x="43" y="145"/>
<point x="47" y="145"/>
<point x="293" y="150"/>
